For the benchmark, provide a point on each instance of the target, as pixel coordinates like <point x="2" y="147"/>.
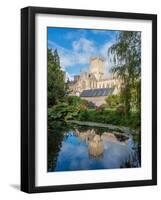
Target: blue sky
<point x="76" y="46"/>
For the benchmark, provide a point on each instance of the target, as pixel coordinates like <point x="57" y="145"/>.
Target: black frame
<point x="28" y="98"/>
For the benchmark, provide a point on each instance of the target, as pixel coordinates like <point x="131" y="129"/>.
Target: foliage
<point x="109" y="117"/>
<point x="113" y="101"/>
<point x="75" y="101"/>
<point x="101" y="107"/>
<point x="120" y="109"/>
<point x="91" y="105"/>
<point x="68" y="108"/>
<point x="136" y="96"/>
<point x="78" y="102"/>
<point x="62" y="111"/>
<point x="56" y="83"/>
<point x="126" y="56"/>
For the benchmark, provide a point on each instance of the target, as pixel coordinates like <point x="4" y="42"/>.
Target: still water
<point x="72" y="147"/>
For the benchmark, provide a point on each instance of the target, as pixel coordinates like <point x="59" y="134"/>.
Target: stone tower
<point x="97" y="67"/>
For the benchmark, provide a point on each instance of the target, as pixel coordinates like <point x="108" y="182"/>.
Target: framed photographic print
<point x="88" y="99"/>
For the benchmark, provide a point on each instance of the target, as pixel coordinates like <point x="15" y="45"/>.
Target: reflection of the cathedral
<point x="96" y="141"/>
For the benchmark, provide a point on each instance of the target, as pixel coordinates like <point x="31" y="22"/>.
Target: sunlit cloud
<point x="81" y="50"/>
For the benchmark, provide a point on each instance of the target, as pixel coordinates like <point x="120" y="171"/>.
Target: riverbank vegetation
<point x="74" y="108"/>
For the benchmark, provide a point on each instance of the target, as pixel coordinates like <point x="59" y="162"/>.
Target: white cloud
<point x="82" y="50"/>
<point x="80" y="53"/>
<point x="66" y="56"/>
<point x="83" y="45"/>
<point x="74" y="35"/>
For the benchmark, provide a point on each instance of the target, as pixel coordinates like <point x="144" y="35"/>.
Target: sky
<point x="76" y="46"/>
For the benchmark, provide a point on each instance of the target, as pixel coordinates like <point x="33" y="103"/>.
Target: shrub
<point x="75" y="101"/>
<point x="83" y="115"/>
<point x="62" y="111"/>
<point x="120" y="109"/>
<point x="101" y="107"/>
<point x="113" y="100"/>
<point x="91" y="105"/>
<point x="109" y="117"/>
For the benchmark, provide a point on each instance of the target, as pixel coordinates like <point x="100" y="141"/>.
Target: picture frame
<point x="29" y="60"/>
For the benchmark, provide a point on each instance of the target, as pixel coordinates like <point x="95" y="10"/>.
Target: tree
<point x="56" y="79"/>
<point x="126" y="57"/>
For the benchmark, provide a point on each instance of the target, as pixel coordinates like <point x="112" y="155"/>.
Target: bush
<point x="83" y="115"/>
<point x="109" y="117"/>
<point x="62" y="111"/>
<point x="120" y="109"/>
<point x="113" y="101"/>
<point x="68" y="108"/>
<point x="99" y="108"/>
<point x="75" y="101"/>
<point x="91" y="105"/>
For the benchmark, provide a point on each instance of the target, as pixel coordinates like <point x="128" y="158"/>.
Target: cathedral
<point x="93" y="84"/>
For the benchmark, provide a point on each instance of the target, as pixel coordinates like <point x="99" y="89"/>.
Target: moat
<point x="75" y="147"/>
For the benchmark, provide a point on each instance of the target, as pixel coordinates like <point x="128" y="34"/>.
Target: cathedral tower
<point x="97" y="67"/>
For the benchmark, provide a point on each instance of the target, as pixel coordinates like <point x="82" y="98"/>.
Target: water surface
<point x="72" y="147"/>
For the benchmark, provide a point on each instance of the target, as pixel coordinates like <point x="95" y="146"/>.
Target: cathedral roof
<point x="97" y="92"/>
